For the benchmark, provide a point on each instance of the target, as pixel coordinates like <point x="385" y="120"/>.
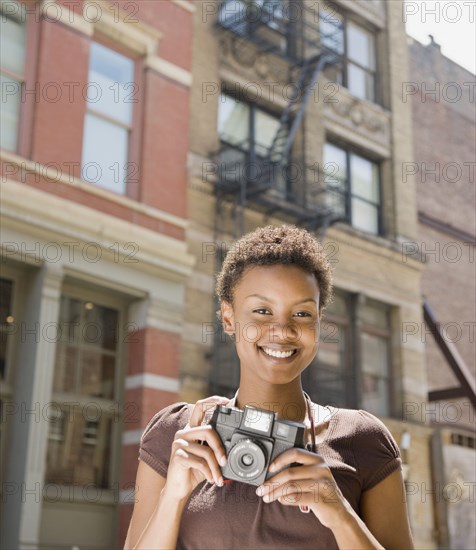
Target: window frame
<point x="251" y="152"/>
<point x="84" y="292"/>
<point x="28" y="97"/>
<point x="349" y="195"/>
<point x="353" y="327"/>
<point x="383" y="332"/>
<point x="346" y="61"/>
<point x="134" y="138"/>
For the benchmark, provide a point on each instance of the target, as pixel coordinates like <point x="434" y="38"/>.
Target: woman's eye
<point x="303" y="314"/>
<point x="262" y="311"/>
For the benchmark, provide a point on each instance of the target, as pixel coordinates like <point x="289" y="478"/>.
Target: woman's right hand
<point x="191" y="462"/>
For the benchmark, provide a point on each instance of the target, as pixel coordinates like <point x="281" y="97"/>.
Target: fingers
<point x="300" y="485"/>
<point x="294" y="455"/>
<point x="205" y="458"/>
<point x="304" y="491"/>
<point x="204" y="406"/>
<point x="192" y="455"/>
<point x="205" y="434"/>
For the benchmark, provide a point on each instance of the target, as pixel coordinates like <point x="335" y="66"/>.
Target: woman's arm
<point x="384" y="511"/>
<point x="160" y="501"/>
<point x="384" y="523"/>
<point x="149" y="485"/>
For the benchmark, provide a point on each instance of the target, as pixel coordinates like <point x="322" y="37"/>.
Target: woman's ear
<point x="227" y="318"/>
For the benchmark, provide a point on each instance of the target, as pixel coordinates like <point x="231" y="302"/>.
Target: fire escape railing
<point x="296" y="32"/>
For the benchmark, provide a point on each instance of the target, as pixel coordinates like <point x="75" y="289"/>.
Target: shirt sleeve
<point x="157" y="438"/>
<point x="375" y="450"/>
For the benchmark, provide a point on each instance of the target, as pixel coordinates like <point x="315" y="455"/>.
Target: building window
<point x="359" y="178"/>
<point x="247" y="132"/>
<point x="6" y="323"/>
<point x="357" y="46"/>
<point x="84" y="393"/>
<point x="12" y="73"/>
<point x="343" y="376"/>
<point x="375" y="358"/>
<point x="244" y="16"/>
<point x="108" y="121"/>
<point x="246" y="126"/>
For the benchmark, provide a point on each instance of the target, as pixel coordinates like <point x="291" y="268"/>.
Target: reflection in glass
<point x="233" y="121"/>
<point x="78" y="447"/>
<point x="105" y="153"/>
<point x="375" y="375"/>
<point x="85" y="368"/>
<point x="111" y="86"/>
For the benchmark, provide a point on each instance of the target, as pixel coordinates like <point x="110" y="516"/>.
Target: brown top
<point x="357" y="446"/>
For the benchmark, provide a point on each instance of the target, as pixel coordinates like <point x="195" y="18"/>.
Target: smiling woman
<point x="345" y="474"/>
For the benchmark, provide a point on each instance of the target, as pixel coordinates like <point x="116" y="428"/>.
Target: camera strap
<point x="311" y="420"/>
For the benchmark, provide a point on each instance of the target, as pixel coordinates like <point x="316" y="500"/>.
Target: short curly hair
<point x="273" y="245"/>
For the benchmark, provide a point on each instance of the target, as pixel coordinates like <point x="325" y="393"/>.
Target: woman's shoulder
<point x="356" y="421"/>
<point x="373" y="447"/>
<point x="173" y="417"/>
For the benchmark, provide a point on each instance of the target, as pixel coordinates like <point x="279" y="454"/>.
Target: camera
<point x="252" y="439"/>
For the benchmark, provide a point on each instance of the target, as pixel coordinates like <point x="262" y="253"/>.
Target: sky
<point x="452" y="23"/>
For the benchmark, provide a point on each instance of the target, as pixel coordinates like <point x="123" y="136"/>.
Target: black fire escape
<point x="280" y="181"/>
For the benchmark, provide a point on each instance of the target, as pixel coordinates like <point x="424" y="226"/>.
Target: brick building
<point x="95" y="125"/>
<point x="442" y="97"/>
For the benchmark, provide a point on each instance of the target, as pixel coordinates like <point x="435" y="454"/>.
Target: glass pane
<point x="97" y="374"/>
<point x="375" y="373"/>
<point x="233" y="15"/>
<point x="100" y="326"/>
<point x="10" y="112"/>
<point x="328" y="374"/>
<point x="338" y="306"/>
<point x="70" y="318"/>
<point x="331" y="345"/>
<point x="360" y="46"/>
<point x="266" y="127"/>
<point x="3" y="355"/>
<point x="374" y="354"/>
<point x="357" y="81"/>
<point x="111" y="83"/>
<point x="233" y="121"/>
<point x="12" y="45"/>
<point x="6" y="322"/>
<point x="79" y="447"/>
<point x="335" y="165"/>
<point x="375" y="395"/>
<point x="364" y="216"/>
<point x="374" y="313"/>
<point x="6" y="290"/>
<point x="364" y="178"/>
<point x="105" y="154"/>
<point x="331" y="29"/>
<point x="66" y="368"/>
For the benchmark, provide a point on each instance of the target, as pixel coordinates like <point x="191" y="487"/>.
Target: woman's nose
<point x="285" y="330"/>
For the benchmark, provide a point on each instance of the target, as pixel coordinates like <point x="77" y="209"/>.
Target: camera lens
<point x="247" y="459"/>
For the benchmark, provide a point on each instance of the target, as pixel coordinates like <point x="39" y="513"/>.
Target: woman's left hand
<point x="310" y="484"/>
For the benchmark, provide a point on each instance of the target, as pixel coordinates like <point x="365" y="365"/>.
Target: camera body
<point x="252" y="439"/>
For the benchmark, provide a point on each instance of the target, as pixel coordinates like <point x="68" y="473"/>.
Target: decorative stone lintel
<point x="355" y="119"/>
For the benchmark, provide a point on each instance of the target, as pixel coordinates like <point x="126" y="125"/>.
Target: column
<point x="28" y="430"/>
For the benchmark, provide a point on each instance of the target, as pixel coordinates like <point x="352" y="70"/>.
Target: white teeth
<point x="276" y="353"/>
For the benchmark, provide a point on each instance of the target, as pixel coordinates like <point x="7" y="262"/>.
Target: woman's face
<point x="275" y="317"/>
